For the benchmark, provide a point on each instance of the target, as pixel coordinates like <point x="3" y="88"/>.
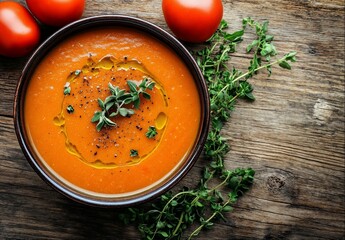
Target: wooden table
<point x="292" y="135"/>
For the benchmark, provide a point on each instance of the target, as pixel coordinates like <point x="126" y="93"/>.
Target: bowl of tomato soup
<point x="111" y="111"/>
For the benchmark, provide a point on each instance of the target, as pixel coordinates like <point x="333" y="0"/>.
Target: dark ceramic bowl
<point x="36" y="162"/>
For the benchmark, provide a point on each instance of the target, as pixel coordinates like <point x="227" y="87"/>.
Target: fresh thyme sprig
<point x="114" y="104"/>
<point x="172" y="214"/>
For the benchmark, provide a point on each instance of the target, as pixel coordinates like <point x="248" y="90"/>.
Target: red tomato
<point x="193" y="20"/>
<point x="56" y="12"/>
<point x="19" y="32"/>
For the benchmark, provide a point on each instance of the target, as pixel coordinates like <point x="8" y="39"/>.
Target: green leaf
<point x="112" y="88"/>
<point x="250" y="96"/>
<point x="285" y="64"/>
<point x="160" y="224"/>
<point x="120" y="93"/>
<point x="227" y="208"/>
<point x="206" y="174"/>
<point x="264" y="26"/>
<point x="100" y="125"/>
<point x="223" y="25"/>
<point x="151" y="85"/>
<point x="109" y="105"/>
<point x="143" y="83"/>
<point x="291" y="56"/>
<point x="253" y="44"/>
<point x="199" y="204"/>
<point x="164" y="234"/>
<point x="96" y="116"/>
<point x="109" y="99"/>
<point x="136" y="102"/>
<point x="269" y="38"/>
<point x="133" y="153"/>
<point x="233" y="182"/>
<point x="100" y="103"/>
<point x="130" y="112"/>
<point x="146" y="95"/>
<point x="135" y="96"/>
<point x="123" y="112"/>
<point x="132" y="86"/>
<point x="236" y="36"/>
<point x="128" y="100"/>
<point x="267" y="49"/>
<point x="109" y="122"/>
<point x="269" y="70"/>
<point x="113" y="114"/>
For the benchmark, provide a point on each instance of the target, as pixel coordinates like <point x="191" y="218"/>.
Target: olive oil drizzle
<point x="108" y="63"/>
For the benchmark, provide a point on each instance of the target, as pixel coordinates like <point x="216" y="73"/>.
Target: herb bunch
<point x="116" y="103"/>
<point x="219" y="188"/>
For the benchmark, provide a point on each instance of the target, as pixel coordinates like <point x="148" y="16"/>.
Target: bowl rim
<point x="103" y="21"/>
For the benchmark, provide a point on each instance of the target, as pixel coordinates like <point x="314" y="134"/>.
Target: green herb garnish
<point x="201" y="206"/>
<point x="77" y="72"/>
<point x="151" y="132"/>
<point x="67" y="89"/>
<point x="133" y="153"/>
<point x="70" y="109"/>
<point x="114" y="104"/>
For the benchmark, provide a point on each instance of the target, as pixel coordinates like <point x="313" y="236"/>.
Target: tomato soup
<point x="116" y="148"/>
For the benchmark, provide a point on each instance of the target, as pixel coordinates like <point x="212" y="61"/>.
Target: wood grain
<point x="292" y="135"/>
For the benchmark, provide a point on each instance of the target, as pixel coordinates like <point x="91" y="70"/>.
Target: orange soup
<point x="112" y="111"/>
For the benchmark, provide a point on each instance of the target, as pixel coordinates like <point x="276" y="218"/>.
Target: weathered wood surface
<point x="293" y="136"/>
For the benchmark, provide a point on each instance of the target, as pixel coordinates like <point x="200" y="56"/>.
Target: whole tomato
<point x="193" y="20"/>
<point x="19" y="32"/>
<point x="56" y="13"/>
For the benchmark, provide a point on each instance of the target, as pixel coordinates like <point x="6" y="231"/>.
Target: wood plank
<point x="293" y="135"/>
